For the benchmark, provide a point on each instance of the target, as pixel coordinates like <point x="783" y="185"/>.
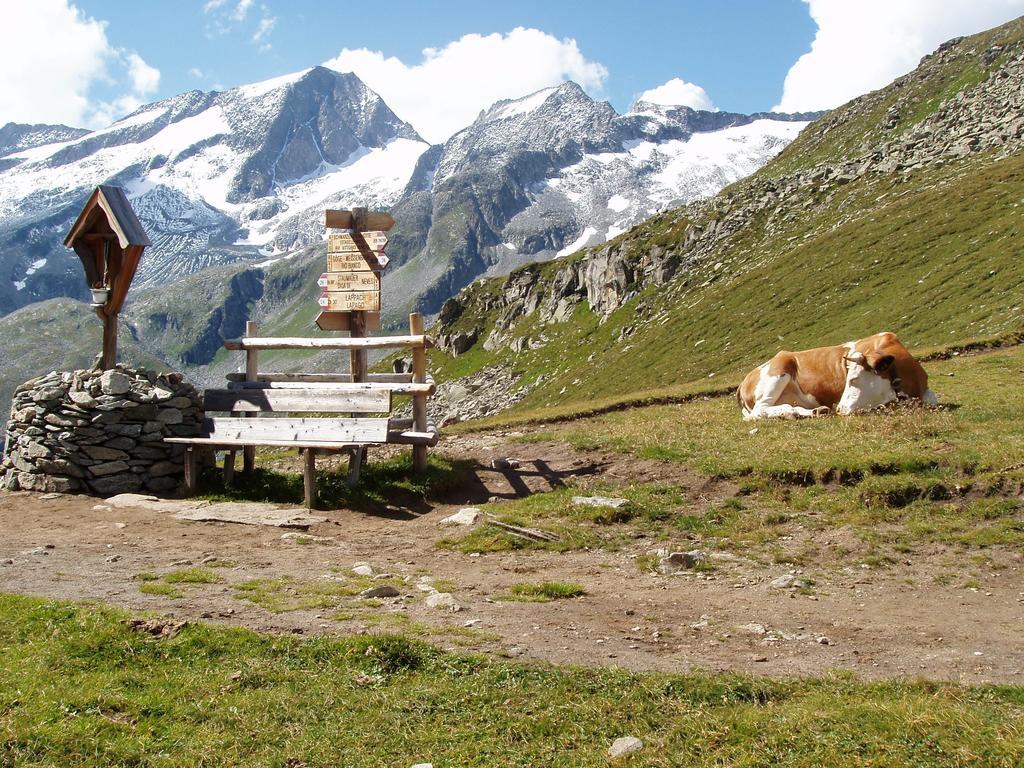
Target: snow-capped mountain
<point x="245" y="174"/>
<point x="214" y="177"/>
<point x="545" y="175"/>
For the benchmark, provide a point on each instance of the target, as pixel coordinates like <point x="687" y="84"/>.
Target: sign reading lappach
<point x="355" y="259"/>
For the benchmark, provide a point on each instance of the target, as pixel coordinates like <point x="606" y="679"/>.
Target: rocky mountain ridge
<point x="546" y="175"/>
<point x="215" y="177"/>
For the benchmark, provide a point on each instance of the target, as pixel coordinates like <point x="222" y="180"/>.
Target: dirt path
<point x="901" y="621"/>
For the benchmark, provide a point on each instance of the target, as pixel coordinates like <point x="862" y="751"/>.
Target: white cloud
<point x="679" y="93"/>
<point x="447" y="89"/>
<point x="145" y="79"/>
<point x="263" y="30"/>
<point x="864" y="45"/>
<point x="241" y="10"/>
<point x="56" y="59"/>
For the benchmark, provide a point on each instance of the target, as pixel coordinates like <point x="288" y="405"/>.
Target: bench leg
<point x="229" y="468"/>
<point x="248" y="458"/>
<point x="309" y="478"/>
<point x="190" y="470"/>
<point x="419" y="458"/>
<point x="355" y="463"/>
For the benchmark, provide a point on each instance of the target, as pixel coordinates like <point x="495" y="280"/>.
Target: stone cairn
<point x="99" y="432"/>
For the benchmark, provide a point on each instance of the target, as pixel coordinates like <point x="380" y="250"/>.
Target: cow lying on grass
<point x="856" y="376"/>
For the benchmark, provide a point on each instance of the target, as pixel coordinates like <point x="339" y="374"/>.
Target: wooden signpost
<point x="350" y="288"/>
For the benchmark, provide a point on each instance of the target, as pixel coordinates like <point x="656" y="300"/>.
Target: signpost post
<point x="350" y="288"/>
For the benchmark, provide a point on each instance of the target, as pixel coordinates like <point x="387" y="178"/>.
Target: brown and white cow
<point x="856" y="376"/>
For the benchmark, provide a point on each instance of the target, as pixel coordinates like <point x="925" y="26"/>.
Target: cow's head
<point x="868" y="382"/>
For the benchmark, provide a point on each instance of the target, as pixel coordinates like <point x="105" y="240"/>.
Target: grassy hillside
<point x="931" y="251"/>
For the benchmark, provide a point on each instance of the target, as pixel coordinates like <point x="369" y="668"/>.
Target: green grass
<point x="192" y="576"/>
<point x="543" y="592"/>
<point x="78" y="687"/>
<point x="169" y="584"/>
<point x="283" y="594"/>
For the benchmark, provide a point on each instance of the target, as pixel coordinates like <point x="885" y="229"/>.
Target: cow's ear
<point x="880" y="363"/>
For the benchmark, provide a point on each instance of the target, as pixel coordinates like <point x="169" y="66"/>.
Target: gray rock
<point x="624" y="745"/>
<point x="599" y="501"/>
<point x="787" y="581"/>
<point x="161" y="468"/>
<point x="443" y="601"/>
<point x="169" y="416"/>
<point x="114" y="383"/>
<point x="682" y="561"/>
<point x="108" y="468"/>
<point x="467" y="516"/>
<point x="363" y="569"/>
<point x="120" y="443"/>
<point x="83" y="399"/>
<point x="124" y="483"/>
<point x="103" y="453"/>
<point x="380" y="592"/>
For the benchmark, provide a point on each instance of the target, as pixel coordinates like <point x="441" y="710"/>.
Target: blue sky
<point x="437" y="64"/>
<point x="738" y="50"/>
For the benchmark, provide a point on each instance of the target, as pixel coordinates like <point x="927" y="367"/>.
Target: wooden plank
<point x="372" y="241"/>
<point x="306" y="431"/>
<point x="341" y="321"/>
<point x="414" y="438"/>
<point x="349" y="301"/>
<point x="349" y="281"/>
<point x="372" y="342"/>
<point x="335" y="219"/>
<point x="397" y="388"/>
<point x="350" y="262"/>
<point x="419" y="402"/>
<point x="297" y="400"/>
<point x="320" y="445"/>
<point x="309" y="478"/>
<point x="325" y="378"/>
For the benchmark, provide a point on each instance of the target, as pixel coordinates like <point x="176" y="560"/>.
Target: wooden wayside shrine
<point x="109" y="239"/>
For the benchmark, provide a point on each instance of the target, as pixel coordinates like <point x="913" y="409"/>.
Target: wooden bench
<point x="287" y="409"/>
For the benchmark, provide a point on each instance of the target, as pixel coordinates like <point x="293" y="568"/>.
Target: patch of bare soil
<point x="942" y="615"/>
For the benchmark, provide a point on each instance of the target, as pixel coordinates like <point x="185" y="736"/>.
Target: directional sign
<point x="344" y="220"/>
<point x="350" y="301"/>
<point x="349" y="281"/>
<point x="382" y="260"/>
<point x="374" y="238"/>
<point x="360" y="242"/>
<point x="349" y="262"/>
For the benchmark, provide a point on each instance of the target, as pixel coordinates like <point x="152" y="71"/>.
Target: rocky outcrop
<point x="99" y="432"/>
<point x="489" y="391"/>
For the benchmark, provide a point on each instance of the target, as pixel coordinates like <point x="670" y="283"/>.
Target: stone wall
<point x="99" y="432"/>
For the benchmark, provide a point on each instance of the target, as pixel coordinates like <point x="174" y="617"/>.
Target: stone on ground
<point x="466" y="516"/>
<point x="599" y="501"/>
<point x="625" y="745"/>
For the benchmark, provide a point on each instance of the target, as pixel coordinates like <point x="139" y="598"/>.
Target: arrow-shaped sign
<point x="351" y="301"/>
<point x="349" y="281"/>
